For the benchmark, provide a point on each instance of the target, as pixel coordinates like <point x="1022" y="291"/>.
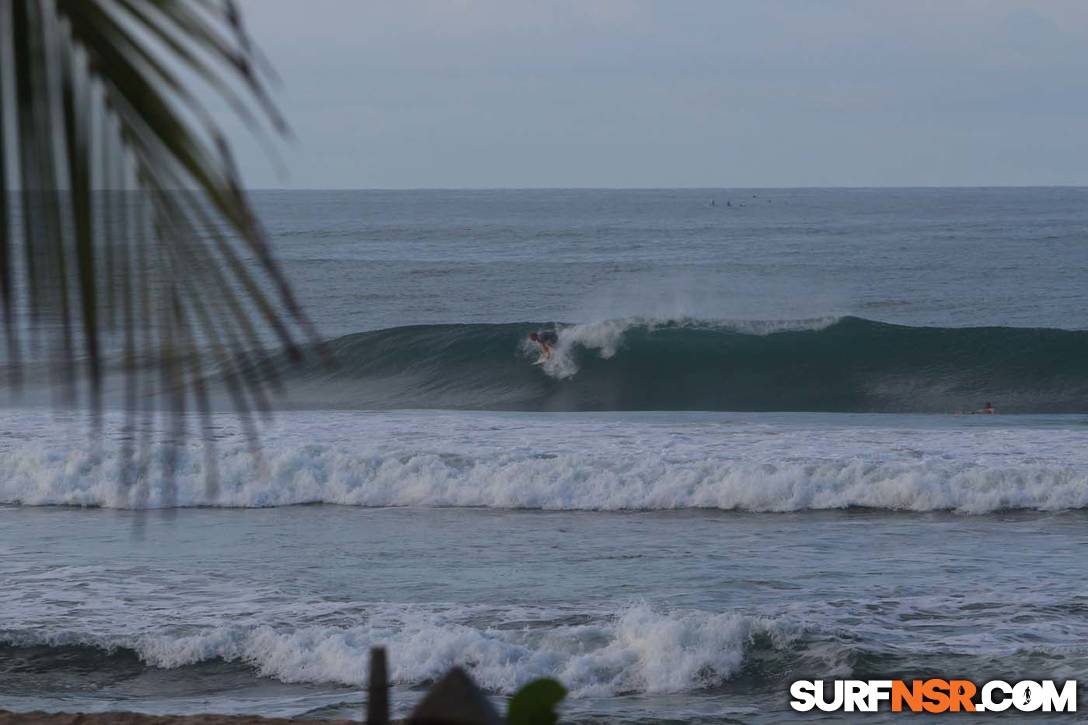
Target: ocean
<point x="749" y="460"/>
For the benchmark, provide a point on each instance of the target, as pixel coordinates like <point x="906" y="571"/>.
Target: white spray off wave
<point x="605" y="338"/>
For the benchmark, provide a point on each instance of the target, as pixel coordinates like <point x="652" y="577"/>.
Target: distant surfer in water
<point x="547" y="341"/>
<point x="987" y="409"/>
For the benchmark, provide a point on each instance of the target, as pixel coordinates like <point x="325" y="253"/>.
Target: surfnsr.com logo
<point x="933" y="695"/>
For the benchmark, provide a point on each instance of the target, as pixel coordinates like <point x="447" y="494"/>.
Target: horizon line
<point x="665" y="188"/>
<point x="16" y="189"/>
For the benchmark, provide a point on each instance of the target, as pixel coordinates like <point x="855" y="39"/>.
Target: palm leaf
<point x="127" y="243"/>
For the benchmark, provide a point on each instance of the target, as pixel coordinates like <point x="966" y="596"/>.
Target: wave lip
<point x="824" y="364"/>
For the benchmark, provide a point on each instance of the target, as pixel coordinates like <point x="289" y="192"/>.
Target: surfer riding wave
<point x="547" y="340"/>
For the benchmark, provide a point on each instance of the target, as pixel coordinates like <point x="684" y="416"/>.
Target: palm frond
<point x="127" y="242"/>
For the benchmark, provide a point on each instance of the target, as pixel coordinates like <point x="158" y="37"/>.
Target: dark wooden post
<point x="377" y="691"/>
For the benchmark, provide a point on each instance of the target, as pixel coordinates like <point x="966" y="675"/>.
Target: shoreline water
<point x="643" y="615"/>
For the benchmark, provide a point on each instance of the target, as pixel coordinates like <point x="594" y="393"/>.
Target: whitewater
<point x="748" y="461"/>
<point x="689" y="563"/>
<point x="696" y="615"/>
<point x="594" y="462"/>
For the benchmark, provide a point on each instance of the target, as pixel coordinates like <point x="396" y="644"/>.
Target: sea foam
<point x="541" y="462"/>
<point x="638" y="649"/>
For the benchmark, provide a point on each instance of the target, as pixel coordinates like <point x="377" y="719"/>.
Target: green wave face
<point x="850" y="365"/>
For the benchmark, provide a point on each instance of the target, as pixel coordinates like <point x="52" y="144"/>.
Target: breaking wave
<point x="834" y="365"/>
<point x="636" y="650"/>
<point x="499" y="461"/>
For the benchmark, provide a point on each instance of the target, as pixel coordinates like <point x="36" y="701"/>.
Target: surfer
<point x="546" y="340"/>
<point x="987" y="409"/>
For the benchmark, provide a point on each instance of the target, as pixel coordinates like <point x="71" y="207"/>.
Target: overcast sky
<point x="677" y="93"/>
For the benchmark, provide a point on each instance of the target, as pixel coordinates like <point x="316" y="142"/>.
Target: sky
<point x="673" y="93"/>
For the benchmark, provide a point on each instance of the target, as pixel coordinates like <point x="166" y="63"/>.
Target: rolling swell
<point x="845" y="365"/>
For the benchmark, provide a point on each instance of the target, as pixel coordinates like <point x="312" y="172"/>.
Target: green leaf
<point x="534" y="704"/>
